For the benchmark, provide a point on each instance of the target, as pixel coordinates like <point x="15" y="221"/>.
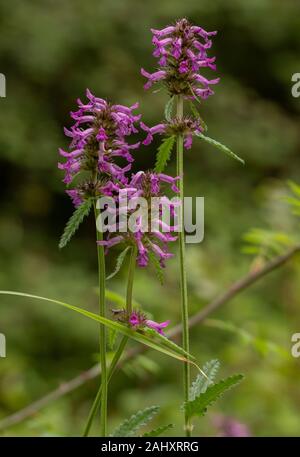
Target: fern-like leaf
<point x="158" y="431"/>
<point x="164" y="153"/>
<point x="201" y="383"/>
<point x="120" y="260"/>
<point x="220" y="146"/>
<point x="295" y="188"/>
<point x="130" y="426"/>
<point x="74" y="222"/>
<point x="158" y="268"/>
<point x="169" y="108"/>
<point x="295" y="200"/>
<point x="199" y="405"/>
<point x="266" y="243"/>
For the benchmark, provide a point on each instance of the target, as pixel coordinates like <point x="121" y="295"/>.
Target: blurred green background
<point x="50" y="51"/>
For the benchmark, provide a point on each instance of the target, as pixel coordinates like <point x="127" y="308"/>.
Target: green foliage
<point x="169" y="108"/>
<point x="199" y="405"/>
<point x="74" y="222"/>
<point x="158" y="431"/>
<point x="158" y="268"/>
<point x="202" y="382"/>
<point x="130" y="426"/>
<point x="295" y="200"/>
<point x="164" y="153"/>
<point x="262" y="345"/>
<point x="120" y="260"/>
<point x="262" y="125"/>
<point x="266" y="243"/>
<point x="141" y="367"/>
<point x="220" y="146"/>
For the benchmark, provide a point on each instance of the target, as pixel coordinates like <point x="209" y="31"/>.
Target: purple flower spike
<point x="157" y="236"/>
<point x="181" y="51"/>
<point x="99" y="135"/>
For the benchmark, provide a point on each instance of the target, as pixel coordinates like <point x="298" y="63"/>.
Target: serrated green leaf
<point x="130" y="426"/>
<point x="169" y="108"/>
<point x="197" y="115"/>
<point x="160" y="343"/>
<point x="199" y="405"/>
<point x="266" y="242"/>
<point x="246" y="337"/>
<point x="74" y="222"/>
<point x="158" y="431"/>
<point x="220" y="146"/>
<point x="158" y="269"/>
<point x="120" y="260"/>
<point x="295" y="200"/>
<point x="295" y="188"/>
<point x="164" y="153"/>
<point x="201" y="383"/>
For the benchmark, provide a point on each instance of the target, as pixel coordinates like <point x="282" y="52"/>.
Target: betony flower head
<point x="148" y="232"/>
<point x="138" y="320"/>
<point x="99" y="137"/>
<point x="181" y="50"/>
<point x="187" y="126"/>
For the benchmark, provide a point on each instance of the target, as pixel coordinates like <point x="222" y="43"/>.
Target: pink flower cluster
<point x="186" y="126"/>
<point x="146" y="238"/>
<point x="181" y="50"/>
<point x="98" y="136"/>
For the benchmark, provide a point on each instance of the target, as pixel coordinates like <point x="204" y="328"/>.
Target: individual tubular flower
<point x="98" y="137"/>
<point x="139" y="321"/>
<point x="181" y="51"/>
<point x="148" y="231"/>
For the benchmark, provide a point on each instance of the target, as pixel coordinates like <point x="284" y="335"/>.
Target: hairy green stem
<point x="183" y="281"/>
<point x="122" y="344"/>
<point x="102" y="312"/>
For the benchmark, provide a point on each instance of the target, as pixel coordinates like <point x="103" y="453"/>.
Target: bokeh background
<point x="50" y="51"/>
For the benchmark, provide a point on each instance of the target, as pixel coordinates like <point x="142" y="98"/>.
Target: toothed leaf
<point x="169" y="108"/>
<point x="158" y="268"/>
<point x="130" y="426"/>
<point x="201" y="383"/>
<point x="164" y="153"/>
<point x="158" y="431"/>
<point x="199" y="405"/>
<point x="120" y="260"/>
<point x="74" y="222"/>
<point x="220" y="146"/>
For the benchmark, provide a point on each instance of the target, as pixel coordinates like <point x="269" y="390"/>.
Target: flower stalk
<point x="122" y="344"/>
<point x="183" y="280"/>
<point x="102" y="335"/>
